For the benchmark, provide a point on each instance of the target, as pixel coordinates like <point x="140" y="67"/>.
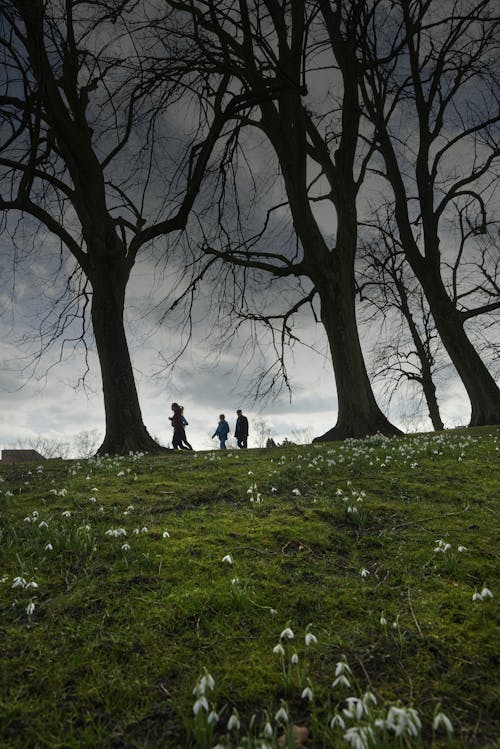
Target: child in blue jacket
<point x="222" y="431"/>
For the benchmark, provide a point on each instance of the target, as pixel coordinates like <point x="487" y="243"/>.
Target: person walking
<point x="241" y="431"/>
<point x="179" y="436"/>
<point x="222" y="431"/>
<point x="184" y="443"/>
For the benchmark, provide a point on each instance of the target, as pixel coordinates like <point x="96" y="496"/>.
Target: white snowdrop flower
<point x="30" y="608"/>
<point x="359" y="737"/>
<point x="369" y="699"/>
<point x="281" y="716"/>
<point x="273" y="489"/>
<point x="53" y="491"/>
<point x="486" y="593"/>
<point x="62" y="493"/>
<point x="403" y="721"/>
<point x="125" y="547"/>
<point x="43" y="524"/>
<point x="288" y="633"/>
<point x="310" y="639"/>
<point x="383" y="621"/>
<point x="268" y="730"/>
<point x="342" y="668"/>
<point x="212" y="718"/>
<point x="92" y="499"/>
<point x="165" y="534"/>
<point x="250" y="473"/>
<point x="355" y="708"/>
<point x="441" y="720"/>
<point x="337" y="720"/>
<point x="121" y="473"/>
<point x="66" y="514"/>
<point x="296" y="492"/>
<point x="278" y="649"/>
<point x="4" y="579"/>
<point x="200" y="704"/>
<point x="19" y="582"/>
<point x="31" y="584"/>
<point x="294" y="659"/>
<point x="228" y="559"/>
<point x="8" y="493"/>
<point x="136" y="531"/>
<point x="307" y="694"/>
<point x="365" y="572"/>
<point x="273" y="612"/>
<point x="144" y="529"/>
<point x="207" y="681"/>
<point x="461" y="548"/>
<point x="476" y="596"/>
<point x="342" y="681"/>
<point x="48" y="547"/>
<point x="233" y="722"/>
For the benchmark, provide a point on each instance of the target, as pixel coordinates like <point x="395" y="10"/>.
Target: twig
<point x="413" y="614"/>
<point x="433" y="517"/>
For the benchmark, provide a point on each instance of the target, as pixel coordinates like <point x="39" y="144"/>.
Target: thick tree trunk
<point x="358" y="412"/>
<point x="125" y="431"/>
<point x="481" y="388"/>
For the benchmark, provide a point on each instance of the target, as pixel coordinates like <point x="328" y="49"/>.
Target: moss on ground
<point x="115" y="599"/>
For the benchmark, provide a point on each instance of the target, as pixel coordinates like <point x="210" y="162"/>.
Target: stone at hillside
<point x="21" y="456"/>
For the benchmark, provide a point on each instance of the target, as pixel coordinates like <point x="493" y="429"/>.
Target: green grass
<point x="336" y="541"/>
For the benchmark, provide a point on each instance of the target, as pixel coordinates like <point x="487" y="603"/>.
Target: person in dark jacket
<point x="179" y="432"/>
<point x="222" y="431"/>
<point x="241" y="431"/>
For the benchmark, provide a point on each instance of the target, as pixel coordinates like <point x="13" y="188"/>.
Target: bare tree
<point x="262" y="431"/>
<point x="431" y="89"/>
<point x="82" y="158"/>
<point x="408" y="353"/>
<point x="272" y="52"/>
<point x="47" y="447"/>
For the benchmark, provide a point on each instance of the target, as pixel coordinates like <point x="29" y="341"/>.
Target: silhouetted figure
<point x="241" y="431"/>
<point x="179" y="436"/>
<point x="222" y="431"/>
<point x="184" y="424"/>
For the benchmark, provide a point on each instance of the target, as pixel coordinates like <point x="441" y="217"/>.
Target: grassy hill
<point x="320" y="596"/>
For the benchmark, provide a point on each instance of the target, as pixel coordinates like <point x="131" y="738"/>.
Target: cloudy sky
<point x="50" y="401"/>
<point x="47" y="397"/>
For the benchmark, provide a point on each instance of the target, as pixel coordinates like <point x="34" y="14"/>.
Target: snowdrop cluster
<point x="255" y="495"/>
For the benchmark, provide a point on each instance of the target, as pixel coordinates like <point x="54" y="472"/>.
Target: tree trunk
<point x="430" y="397"/>
<point x="358" y="412"/>
<point x="424" y="357"/>
<point x="125" y="431"/>
<point x="481" y="388"/>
